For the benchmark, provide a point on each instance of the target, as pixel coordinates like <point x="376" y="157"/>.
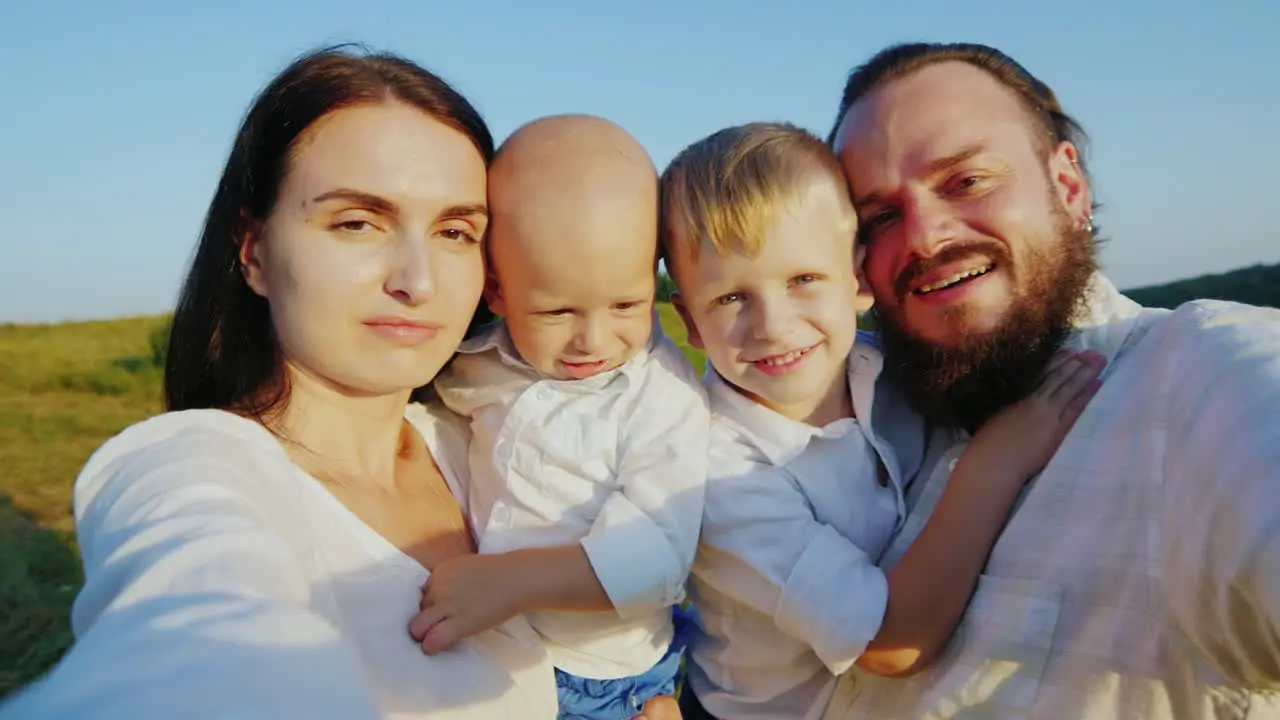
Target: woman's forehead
<point x="391" y="150"/>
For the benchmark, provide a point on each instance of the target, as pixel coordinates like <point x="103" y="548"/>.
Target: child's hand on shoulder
<point x="1024" y="436"/>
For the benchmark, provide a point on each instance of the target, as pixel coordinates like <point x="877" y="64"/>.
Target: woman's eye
<point x="354" y="226"/>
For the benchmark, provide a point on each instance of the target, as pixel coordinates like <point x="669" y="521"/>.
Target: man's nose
<point x="928" y="224"/>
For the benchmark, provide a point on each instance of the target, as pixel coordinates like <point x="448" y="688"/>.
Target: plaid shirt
<point x="1139" y="576"/>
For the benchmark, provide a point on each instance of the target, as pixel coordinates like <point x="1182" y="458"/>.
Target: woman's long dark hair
<point x="223" y="351"/>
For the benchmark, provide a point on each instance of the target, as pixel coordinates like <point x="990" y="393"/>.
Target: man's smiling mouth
<point x="955" y="279"/>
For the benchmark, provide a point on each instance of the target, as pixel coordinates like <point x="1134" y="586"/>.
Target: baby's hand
<point x="1024" y="436"/>
<point x="464" y="596"/>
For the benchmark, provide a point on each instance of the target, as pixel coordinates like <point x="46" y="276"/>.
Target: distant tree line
<point x="1256" y="285"/>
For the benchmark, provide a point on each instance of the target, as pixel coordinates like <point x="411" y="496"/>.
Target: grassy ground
<point x="65" y="389"/>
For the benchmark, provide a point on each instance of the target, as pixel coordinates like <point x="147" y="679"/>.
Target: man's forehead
<point x="927" y="123"/>
<point x="938" y="110"/>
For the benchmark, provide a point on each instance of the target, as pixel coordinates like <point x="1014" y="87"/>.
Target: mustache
<point x="948" y="254"/>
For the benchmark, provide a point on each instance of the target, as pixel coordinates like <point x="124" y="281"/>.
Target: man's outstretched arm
<point x="1220" y="516"/>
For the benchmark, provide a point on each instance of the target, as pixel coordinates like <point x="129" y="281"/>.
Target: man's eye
<point x="880" y="219"/>
<point x="964" y="183"/>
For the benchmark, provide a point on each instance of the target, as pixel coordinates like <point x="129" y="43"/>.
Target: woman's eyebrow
<point x="369" y="200"/>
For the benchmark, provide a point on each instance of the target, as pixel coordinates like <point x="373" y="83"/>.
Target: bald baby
<point x="588" y="496"/>
<point x="573" y="244"/>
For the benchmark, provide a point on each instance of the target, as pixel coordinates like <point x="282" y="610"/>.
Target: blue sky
<point x="115" y="118"/>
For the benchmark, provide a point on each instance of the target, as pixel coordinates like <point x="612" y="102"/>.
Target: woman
<point x="258" y="550"/>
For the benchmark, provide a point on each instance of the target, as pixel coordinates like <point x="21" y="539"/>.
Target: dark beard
<point x="967" y="384"/>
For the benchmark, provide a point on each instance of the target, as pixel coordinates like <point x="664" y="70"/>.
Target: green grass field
<point x="64" y="390"/>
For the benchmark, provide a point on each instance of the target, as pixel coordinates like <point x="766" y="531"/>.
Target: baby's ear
<point x="864" y="299"/>
<point x="493" y="295"/>
<point x="695" y="339"/>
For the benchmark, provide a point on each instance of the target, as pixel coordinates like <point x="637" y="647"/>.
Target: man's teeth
<point x="784" y="359"/>
<point x="948" y="282"/>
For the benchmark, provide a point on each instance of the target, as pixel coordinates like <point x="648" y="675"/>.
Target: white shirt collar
<point x="1106" y="319"/>
<point x="780" y="438"/>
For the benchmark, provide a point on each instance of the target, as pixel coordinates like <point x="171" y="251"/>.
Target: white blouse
<point x="223" y="581"/>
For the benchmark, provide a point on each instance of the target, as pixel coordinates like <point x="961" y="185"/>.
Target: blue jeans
<point x="623" y="698"/>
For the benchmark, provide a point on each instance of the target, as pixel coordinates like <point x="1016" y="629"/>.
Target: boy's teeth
<point x="954" y="279"/>
<point x="784" y="359"/>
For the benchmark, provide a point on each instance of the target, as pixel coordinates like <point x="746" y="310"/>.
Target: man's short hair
<point x="897" y="61"/>
<point x="728" y="188"/>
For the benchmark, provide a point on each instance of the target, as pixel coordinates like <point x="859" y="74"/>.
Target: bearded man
<point x="1139" y="576"/>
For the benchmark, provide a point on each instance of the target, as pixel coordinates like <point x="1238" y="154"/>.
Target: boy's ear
<point x="864" y="299"/>
<point x="493" y="294"/>
<point x="695" y="340"/>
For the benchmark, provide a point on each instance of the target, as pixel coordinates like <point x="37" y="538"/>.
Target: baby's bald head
<point x="574" y="228"/>
<point x="571" y="171"/>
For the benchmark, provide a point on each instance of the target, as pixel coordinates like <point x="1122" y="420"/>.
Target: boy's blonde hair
<point x="728" y="188"/>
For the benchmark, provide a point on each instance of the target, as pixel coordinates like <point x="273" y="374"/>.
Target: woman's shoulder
<point x="192" y="433"/>
<point x="179" y="441"/>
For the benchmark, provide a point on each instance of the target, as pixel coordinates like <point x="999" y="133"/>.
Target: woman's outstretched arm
<point x="194" y="604"/>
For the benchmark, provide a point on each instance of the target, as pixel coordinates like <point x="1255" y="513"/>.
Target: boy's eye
<point x="804" y="279"/>
<point x="729" y="299"/>
<point x="626" y="305"/>
<point x="460" y="236"/>
<point x="558" y="313"/>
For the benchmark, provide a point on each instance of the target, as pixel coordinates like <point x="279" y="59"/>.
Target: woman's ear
<point x="251" y="244"/>
<point x="695" y="340"/>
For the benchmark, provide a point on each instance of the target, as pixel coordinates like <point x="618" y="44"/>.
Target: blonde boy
<point x="588" y="457"/>
<point x="810" y="448"/>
